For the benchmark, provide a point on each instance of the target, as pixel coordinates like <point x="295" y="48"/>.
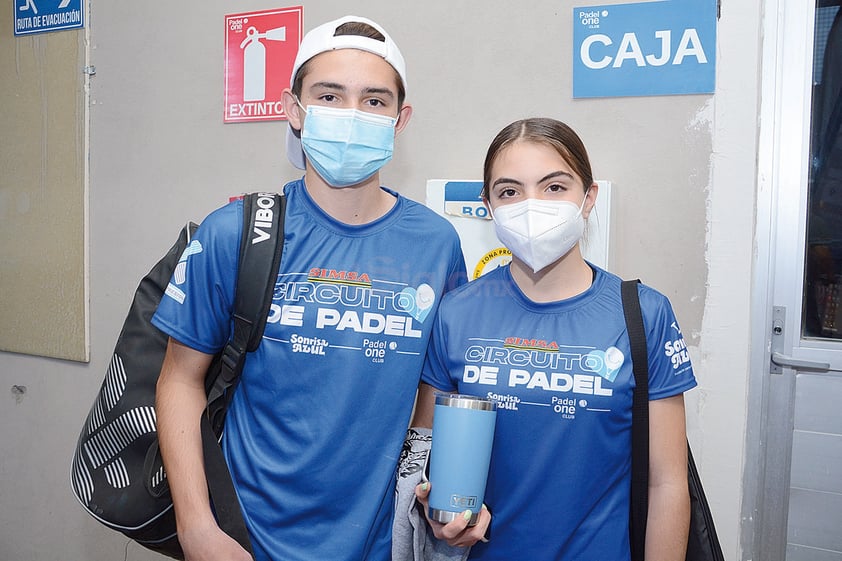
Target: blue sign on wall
<point x="464" y="198"/>
<point x="37" y="16"/>
<point x="651" y="48"/>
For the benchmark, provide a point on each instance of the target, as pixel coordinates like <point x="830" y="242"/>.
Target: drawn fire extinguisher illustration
<point x="254" y="61"/>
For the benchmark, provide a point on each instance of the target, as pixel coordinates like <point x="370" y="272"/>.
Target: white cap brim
<point x="295" y="153"/>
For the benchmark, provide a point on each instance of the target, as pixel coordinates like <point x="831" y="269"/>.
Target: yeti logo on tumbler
<point x="463" y="432"/>
<point x="458" y="501"/>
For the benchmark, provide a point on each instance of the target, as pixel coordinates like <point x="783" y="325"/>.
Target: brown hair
<point x="550" y="132"/>
<point x="350" y="28"/>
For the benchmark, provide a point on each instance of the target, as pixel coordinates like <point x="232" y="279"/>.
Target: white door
<point x="799" y="510"/>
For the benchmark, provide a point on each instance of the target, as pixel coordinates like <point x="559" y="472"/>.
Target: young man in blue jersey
<point x="316" y="424"/>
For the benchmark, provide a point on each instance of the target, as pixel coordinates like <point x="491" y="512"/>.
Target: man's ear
<point x="404" y="115"/>
<point x="291" y="109"/>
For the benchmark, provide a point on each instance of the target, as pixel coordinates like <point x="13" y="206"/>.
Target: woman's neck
<point x="566" y="278"/>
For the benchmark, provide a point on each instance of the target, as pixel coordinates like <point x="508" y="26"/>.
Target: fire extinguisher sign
<point x="260" y="49"/>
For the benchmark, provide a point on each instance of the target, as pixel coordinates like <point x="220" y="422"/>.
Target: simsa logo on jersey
<point x="650" y="48"/>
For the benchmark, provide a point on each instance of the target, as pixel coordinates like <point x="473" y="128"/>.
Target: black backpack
<point x="702" y="540"/>
<point x="117" y="473"/>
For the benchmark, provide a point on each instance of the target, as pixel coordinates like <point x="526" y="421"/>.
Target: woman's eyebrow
<point x="551" y="175"/>
<point x="555" y="174"/>
<point x="506" y="180"/>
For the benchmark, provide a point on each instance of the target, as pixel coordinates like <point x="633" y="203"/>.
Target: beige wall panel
<point x="42" y="188"/>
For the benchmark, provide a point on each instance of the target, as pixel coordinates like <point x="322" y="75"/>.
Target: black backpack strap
<point x="639" y="508"/>
<point x="260" y="256"/>
<point x="261" y="246"/>
<point x="226" y="505"/>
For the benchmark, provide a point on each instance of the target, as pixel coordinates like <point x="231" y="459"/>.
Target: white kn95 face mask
<point x="539" y="232"/>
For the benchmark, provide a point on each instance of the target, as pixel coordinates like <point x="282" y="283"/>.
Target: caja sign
<point x="651" y="48"/>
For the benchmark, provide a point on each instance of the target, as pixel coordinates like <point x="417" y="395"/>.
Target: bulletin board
<point x="43" y="300"/>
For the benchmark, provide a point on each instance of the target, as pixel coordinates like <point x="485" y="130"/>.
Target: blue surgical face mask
<point x="346" y="146"/>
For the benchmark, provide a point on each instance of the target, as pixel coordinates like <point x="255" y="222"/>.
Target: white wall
<point x="683" y="170"/>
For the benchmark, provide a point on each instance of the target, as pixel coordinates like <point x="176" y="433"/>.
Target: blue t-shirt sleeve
<point x="670" y="371"/>
<point x="435" y="371"/>
<point x="196" y="307"/>
<point x="458" y="274"/>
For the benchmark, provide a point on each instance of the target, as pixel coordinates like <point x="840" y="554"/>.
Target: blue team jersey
<point x="315" y="428"/>
<point x="558" y="485"/>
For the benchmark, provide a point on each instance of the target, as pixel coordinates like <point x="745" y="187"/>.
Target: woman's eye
<point x="556" y="188"/>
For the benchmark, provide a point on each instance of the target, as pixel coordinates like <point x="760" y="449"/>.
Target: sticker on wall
<point x="490" y="260"/>
<point x="464" y="198"/>
<point x="260" y="49"/>
<point x="640" y="49"/>
<point x="38" y="16"/>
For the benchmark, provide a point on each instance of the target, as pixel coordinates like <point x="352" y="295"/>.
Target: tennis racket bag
<point x="117" y="473"/>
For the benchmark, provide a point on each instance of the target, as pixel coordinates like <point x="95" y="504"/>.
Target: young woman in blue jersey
<point x="546" y="337"/>
<point x="317" y="421"/>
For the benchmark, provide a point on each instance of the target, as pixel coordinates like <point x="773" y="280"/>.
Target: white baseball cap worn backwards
<point x="323" y="39"/>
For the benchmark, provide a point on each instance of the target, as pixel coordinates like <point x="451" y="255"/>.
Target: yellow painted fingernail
<point x="467" y="515"/>
<point x="424" y="486"/>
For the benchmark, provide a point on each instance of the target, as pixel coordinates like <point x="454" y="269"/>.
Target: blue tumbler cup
<point x="463" y="432"/>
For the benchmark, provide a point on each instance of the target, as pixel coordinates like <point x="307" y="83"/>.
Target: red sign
<point x="260" y="49"/>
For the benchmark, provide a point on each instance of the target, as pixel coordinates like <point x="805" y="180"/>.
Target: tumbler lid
<point x="465" y="401"/>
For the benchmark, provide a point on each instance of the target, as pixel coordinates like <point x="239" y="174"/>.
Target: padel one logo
<point x="591" y="18"/>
